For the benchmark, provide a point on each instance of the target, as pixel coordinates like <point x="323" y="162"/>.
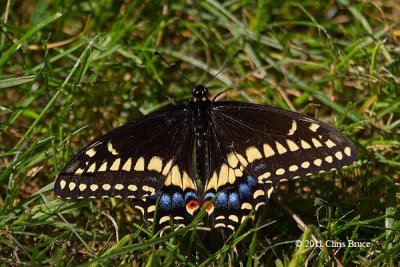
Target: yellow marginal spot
<point x="305" y="164"/>
<point x="242" y="160"/>
<point x="259" y="205"/>
<point x="313" y="127"/>
<point x="178" y="218"/>
<point x="232" y="160"/>
<point x="103" y="167"/>
<point x="82" y="187"/>
<point x="132" y="187"/>
<point x="264" y="176"/>
<point x="223" y="175"/>
<point x="238" y="173"/>
<point x="258" y="193"/>
<point x="316" y="142"/>
<point x="187" y="182"/>
<point x="63" y="183"/>
<point x="71" y="186"/>
<point x="231" y="227"/>
<point x="293" y="129"/>
<point x="218" y="225"/>
<point x="167" y="167"/>
<point x="139" y="166"/>
<point x="252" y="154"/>
<point x="329" y="143"/>
<point x="213" y="182"/>
<point x="92" y="167"/>
<point x="164" y="219"/>
<point x="128" y="165"/>
<point x="293" y="168"/>
<point x="149" y="189"/>
<point x="339" y="155"/>
<point x="155" y="164"/>
<point x="233" y="218"/>
<point x="119" y="186"/>
<point x="91" y="152"/>
<point x="151" y="208"/>
<point x="115" y="165"/>
<point x="280" y="171"/>
<point x="281" y="149"/>
<point x="111" y="149"/>
<point x="318" y="162"/>
<point x="231" y="176"/>
<point x="94" y="187"/>
<point x="347" y="151"/>
<point x="329" y="159"/>
<point x="305" y="145"/>
<point x="268" y="151"/>
<point x="140" y="208"/>
<point x="246" y="206"/>
<point x="269" y="192"/>
<point x="79" y="171"/>
<point x="106" y="187"/>
<point x="220" y="217"/>
<point x="292" y="145"/>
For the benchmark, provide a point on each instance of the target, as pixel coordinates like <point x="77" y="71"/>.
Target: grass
<point x="72" y="71"/>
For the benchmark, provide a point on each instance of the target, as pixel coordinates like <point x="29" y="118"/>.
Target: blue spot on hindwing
<point x="190" y="194"/>
<point x="259" y="167"/>
<point x="165" y="202"/>
<point x="244" y="191"/>
<point x="222" y="200"/>
<point x="208" y="196"/>
<point x="251" y="181"/>
<point x="233" y="201"/>
<point x="177" y="200"/>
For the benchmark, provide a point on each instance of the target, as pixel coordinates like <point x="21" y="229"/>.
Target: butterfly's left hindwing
<point x="256" y="147"/>
<point x="148" y="159"/>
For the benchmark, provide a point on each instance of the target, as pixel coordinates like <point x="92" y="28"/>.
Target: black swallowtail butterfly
<point x="243" y="152"/>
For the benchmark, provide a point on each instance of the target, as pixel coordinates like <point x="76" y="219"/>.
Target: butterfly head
<point x="199" y="93"/>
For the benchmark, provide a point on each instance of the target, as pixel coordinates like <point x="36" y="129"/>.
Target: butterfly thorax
<point x="200" y="105"/>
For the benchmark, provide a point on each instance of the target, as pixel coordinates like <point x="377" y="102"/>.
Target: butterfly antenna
<point x="221" y="93"/>
<point x="171" y="67"/>
<point x="226" y="65"/>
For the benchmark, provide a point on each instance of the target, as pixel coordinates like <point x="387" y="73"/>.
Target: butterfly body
<point x="243" y="151"/>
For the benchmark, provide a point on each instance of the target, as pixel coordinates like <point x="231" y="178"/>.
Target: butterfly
<point x="242" y="150"/>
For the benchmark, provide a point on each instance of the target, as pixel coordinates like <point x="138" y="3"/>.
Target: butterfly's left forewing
<point x="256" y="147"/>
<point x="147" y="160"/>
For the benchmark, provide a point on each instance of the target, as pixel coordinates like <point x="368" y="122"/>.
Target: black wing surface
<point x="146" y="160"/>
<point x="255" y="147"/>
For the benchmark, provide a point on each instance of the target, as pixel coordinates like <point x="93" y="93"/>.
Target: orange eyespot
<point x="192" y="204"/>
<point x="206" y="203"/>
